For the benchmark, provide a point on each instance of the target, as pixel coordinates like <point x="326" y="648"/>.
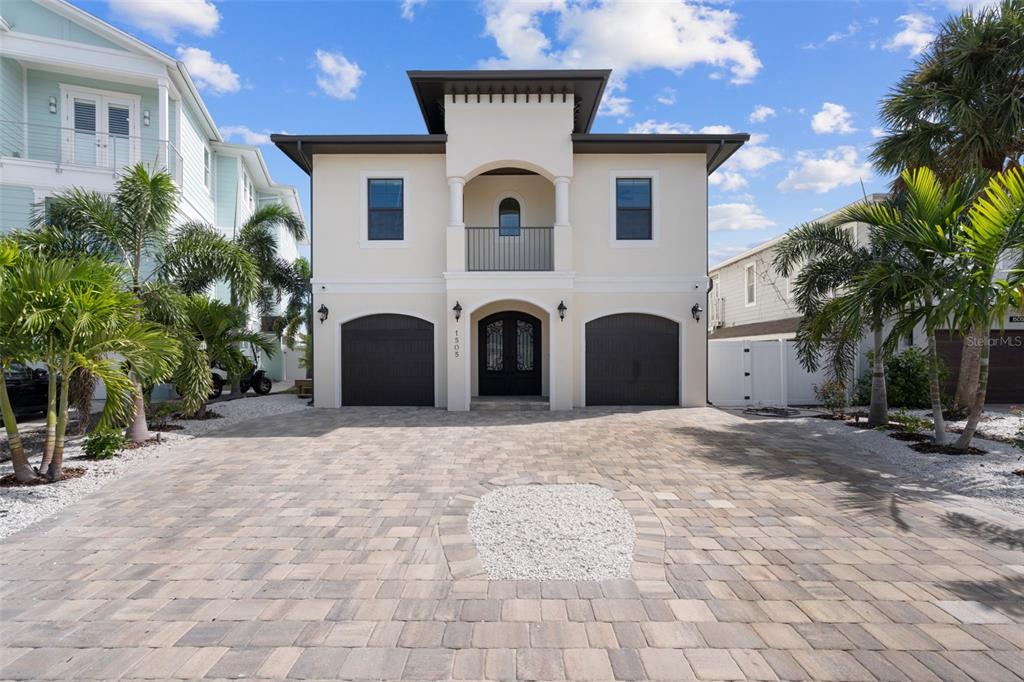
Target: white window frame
<point x="364" y="209"/>
<point x="103" y="98"/>
<point x="750" y="287"/>
<point x="652" y="243"/>
<point x="207" y="168"/>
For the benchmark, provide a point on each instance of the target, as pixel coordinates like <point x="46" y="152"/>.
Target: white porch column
<point x="456" y="231"/>
<point x="162" y="122"/>
<point x="563" y="231"/>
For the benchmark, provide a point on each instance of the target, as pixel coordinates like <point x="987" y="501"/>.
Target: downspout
<point x="312" y="275"/>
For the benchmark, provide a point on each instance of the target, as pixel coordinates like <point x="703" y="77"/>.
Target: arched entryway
<point x="632" y="359"/>
<point x="509" y="354"/>
<point x="387" y="359"/>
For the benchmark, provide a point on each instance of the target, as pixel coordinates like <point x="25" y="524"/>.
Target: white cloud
<point x="877" y="132"/>
<point x="917" y="34"/>
<point x="652" y="127"/>
<point x="833" y="118"/>
<point x="614" y="105"/>
<point x="245" y="134"/>
<point x="961" y="5"/>
<point x="737" y="216"/>
<point x="208" y="73"/>
<point x="667" y="96"/>
<point x="754" y="155"/>
<point x="852" y="29"/>
<point x="836" y="168"/>
<point x="337" y="77"/>
<point x="727" y="181"/>
<point x="409" y="8"/>
<point x="625" y="36"/>
<point x="165" y="18"/>
<point x="760" y="114"/>
<point x="721" y="253"/>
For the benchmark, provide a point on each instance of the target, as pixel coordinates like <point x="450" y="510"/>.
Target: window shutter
<point x="85" y="116"/>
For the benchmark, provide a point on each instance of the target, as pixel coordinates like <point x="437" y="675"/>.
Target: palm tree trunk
<point x="22" y="469"/>
<point x="978" y="405"/>
<point x="83" y="387"/>
<point x="967" y="382"/>
<point x="138" y="429"/>
<point x="935" y="391"/>
<point x="878" y="413"/>
<point x="51" y="419"/>
<point x="56" y="469"/>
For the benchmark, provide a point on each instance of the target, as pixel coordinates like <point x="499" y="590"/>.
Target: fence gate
<point x="764" y="372"/>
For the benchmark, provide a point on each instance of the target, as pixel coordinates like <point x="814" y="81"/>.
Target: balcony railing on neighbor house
<point x="717" y="316"/>
<point x="85" y="149"/>
<point x="523" y="249"/>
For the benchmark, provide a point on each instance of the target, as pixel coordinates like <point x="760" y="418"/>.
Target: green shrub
<point x="832" y="394"/>
<point x="159" y="415"/>
<point x="910" y="422"/>
<point x="104" y="444"/>
<point x="906" y="380"/>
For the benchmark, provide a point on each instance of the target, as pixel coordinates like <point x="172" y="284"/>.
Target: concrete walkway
<point x="332" y="544"/>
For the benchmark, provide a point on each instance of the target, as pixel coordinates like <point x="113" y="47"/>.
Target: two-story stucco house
<point x="509" y="251"/>
<point x="80" y="100"/>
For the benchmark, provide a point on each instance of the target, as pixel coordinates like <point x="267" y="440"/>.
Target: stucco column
<point x="456" y="231"/>
<point x="563" y="231"/>
<point x="458" y="349"/>
<point x="162" y="122"/>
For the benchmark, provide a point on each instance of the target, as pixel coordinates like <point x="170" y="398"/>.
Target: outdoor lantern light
<point x="458" y="310"/>
<point x="696" y="310"/>
<point x="53" y="105"/>
<point x="561" y="310"/>
<point x="322" y="312"/>
<point x="145" y="118"/>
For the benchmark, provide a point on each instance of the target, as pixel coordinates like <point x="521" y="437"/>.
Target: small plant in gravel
<point x="104" y="444"/>
<point x="832" y="395"/>
<point x="909" y="422"/>
<point x="160" y="414"/>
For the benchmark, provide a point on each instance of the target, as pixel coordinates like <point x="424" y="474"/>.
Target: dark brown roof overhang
<point x="585" y="86"/>
<point x="716" y="148"/>
<point x="300" y="148"/>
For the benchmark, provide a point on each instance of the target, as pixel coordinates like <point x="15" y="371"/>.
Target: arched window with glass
<point x="509" y="217"/>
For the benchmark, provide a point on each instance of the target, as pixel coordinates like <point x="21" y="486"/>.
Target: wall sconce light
<point x="561" y="310"/>
<point x="457" y="309"/>
<point x="696" y="310"/>
<point x="53" y="105"/>
<point x="145" y="118"/>
<point x="322" y="312"/>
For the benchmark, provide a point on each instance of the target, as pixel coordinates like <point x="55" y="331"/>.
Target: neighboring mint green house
<point x="80" y="100"/>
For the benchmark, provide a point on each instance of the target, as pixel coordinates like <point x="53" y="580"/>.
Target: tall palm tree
<point x="925" y="221"/>
<point x="826" y="258"/>
<point x="961" y="111"/>
<point x="133" y="227"/>
<point x="992" y="235"/>
<point x="15" y="346"/>
<point x="298" y="314"/>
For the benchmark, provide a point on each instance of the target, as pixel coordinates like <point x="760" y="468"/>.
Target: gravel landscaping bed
<point x="989" y="477"/>
<point x="553" y="532"/>
<point x="21" y="507"/>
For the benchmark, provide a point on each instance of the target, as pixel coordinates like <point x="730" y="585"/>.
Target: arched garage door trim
<point x="428" y="327"/>
<point x="680" y="355"/>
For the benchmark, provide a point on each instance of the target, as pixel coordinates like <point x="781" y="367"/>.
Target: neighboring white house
<point x="509" y="251"/>
<point x="753" y="320"/>
<point x="80" y="100"/>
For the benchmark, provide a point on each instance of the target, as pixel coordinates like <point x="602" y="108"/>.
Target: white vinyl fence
<point x="766" y="372"/>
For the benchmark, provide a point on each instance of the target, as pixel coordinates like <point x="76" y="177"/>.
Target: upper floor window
<point x="749" y="284"/>
<point x="385" y="218"/>
<point x="206" y="168"/>
<point x="509" y="217"/>
<point x="633" y="208"/>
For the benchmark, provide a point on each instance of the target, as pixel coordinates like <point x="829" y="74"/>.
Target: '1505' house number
<point x="456" y="345"/>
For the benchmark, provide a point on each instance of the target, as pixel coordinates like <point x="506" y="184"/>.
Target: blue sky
<point x="804" y="78"/>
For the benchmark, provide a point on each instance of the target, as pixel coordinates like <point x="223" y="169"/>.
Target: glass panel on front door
<point x="524" y="346"/>
<point x="495" y="346"/>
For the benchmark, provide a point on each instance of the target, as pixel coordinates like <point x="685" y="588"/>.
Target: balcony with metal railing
<point x="36" y="144"/>
<point x="505" y="249"/>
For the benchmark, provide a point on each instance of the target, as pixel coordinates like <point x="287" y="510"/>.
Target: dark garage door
<point x="632" y="359"/>
<point x="1005" y="369"/>
<point x="387" y="360"/>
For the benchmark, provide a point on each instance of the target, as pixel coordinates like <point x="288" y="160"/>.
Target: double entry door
<point x="509" y="354"/>
<point x="99" y="129"/>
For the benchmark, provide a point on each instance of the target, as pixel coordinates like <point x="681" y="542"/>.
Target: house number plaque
<point x="456" y="344"/>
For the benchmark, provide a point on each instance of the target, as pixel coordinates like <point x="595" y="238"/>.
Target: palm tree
<point x="219" y="329"/>
<point x="133" y="227"/>
<point x="993" y="232"/>
<point x="298" y="314"/>
<point x="15" y="346"/>
<point x="961" y="111"/>
<point x="828" y="259"/>
<point x="924" y="220"/>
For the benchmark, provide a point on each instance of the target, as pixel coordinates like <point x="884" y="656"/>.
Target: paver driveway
<point x="331" y="544"/>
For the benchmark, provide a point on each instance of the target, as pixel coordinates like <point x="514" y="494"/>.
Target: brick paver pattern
<point x="331" y="544"/>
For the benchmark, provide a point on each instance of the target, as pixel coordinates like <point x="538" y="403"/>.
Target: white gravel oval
<point x="553" y="532"/>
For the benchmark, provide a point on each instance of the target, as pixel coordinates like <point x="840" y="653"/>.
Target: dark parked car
<point x="27" y="389"/>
